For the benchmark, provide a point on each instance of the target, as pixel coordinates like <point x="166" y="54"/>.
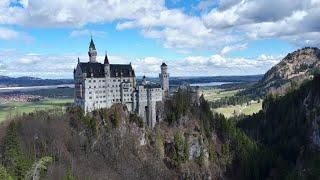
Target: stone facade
<point x="100" y="85"/>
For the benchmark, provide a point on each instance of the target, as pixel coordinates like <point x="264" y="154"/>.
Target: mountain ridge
<point x="293" y="69"/>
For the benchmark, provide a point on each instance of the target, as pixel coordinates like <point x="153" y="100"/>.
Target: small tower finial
<point x="106" y="60"/>
<point x="78" y="59"/>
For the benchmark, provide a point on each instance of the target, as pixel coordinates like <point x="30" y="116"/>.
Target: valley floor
<point x="212" y="94"/>
<point x="10" y="109"/>
<point x="245" y="109"/>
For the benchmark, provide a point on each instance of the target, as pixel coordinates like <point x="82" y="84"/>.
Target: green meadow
<point x="214" y="94"/>
<point x="15" y="108"/>
<point x="230" y="111"/>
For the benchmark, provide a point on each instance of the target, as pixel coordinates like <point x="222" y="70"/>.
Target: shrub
<point x="70" y="175"/>
<point x="115" y="118"/>
<point x="4" y="174"/>
<point x="159" y="146"/>
<point x="136" y="119"/>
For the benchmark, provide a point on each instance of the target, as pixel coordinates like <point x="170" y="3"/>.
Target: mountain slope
<point x="295" y="68"/>
<point x="288" y="127"/>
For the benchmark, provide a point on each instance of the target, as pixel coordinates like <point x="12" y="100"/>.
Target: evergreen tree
<point x="14" y="159"/>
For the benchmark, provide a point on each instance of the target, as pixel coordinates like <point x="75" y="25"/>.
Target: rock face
<point x="296" y="67"/>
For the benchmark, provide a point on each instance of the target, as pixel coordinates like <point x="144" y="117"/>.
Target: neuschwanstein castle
<point x="100" y="85"/>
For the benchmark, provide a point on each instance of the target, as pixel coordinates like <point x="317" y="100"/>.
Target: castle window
<point x="94" y="86"/>
<point x="90" y="97"/>
<point x="94" y="80"/>
<point x="103" y="80"/>
<point x="89" y="81"/>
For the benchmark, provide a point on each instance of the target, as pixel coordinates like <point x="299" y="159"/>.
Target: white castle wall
<point x="96" y="93"/>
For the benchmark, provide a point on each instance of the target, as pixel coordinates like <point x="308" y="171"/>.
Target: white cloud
<point x="205" y="4"/>
<point x="13" y="63"/>
<point x="8" y="34"/>
<point x="236" y="47"/>
<point x="292" y="21"/>
<point x="87" y="33"/>
<point x="57" y="13"/>
<point x="226" y="27"/>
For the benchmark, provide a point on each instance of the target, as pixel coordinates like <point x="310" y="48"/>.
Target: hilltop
<point x="114" y="144"/>
<point x="295" y="68"/>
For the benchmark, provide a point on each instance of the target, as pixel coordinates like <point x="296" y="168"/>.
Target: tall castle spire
<point x="106" y="60"/>
<point x="92" y="52"/>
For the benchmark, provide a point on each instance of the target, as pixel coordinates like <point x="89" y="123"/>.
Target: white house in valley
<point x="100" y="85"/>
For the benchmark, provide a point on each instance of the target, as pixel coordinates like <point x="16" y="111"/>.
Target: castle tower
<point x="164" y="79"/>
<point x="106" y="65"/>
<point x="144" y="80"/>
<point x="92" y="52"/>
<point x="107" y="79"/>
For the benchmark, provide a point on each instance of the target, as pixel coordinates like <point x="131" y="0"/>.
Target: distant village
<point x="5" y="98"/>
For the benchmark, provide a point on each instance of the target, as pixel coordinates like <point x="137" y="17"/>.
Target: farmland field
<point x="229" y="111"/>
<point x="13" y="108"/>
<point x="213" y="94"/>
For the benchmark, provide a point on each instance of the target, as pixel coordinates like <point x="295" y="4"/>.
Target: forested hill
<point x="288" y="128"/>
<point x="295" y="68"/>
<point x="31" y="81"/>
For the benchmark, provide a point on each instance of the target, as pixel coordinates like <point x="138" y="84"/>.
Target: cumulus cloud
<point x="223" y="23"/>
<point x="52" y="66"/>
<point x="293" y="21"/>
<point x="13" y="63"/>
<point x="217" y="65"/>
<point x="57" y="13"/>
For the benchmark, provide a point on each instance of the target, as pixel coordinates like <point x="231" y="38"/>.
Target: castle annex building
<point x="100" y="85"/>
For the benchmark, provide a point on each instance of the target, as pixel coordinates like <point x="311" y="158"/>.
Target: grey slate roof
<point x="116" y="70"/>
<point x="151" y="86"/>
<point x="92" y="45"/>
<point x="163" y="64"/>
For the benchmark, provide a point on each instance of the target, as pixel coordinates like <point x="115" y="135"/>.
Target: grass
<point x="13" y="108"/>
<point x="214" y="94"/>
<point x="230" y="111"/>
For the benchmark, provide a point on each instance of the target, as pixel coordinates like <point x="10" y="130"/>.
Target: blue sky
<point x="43" y="38"/>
